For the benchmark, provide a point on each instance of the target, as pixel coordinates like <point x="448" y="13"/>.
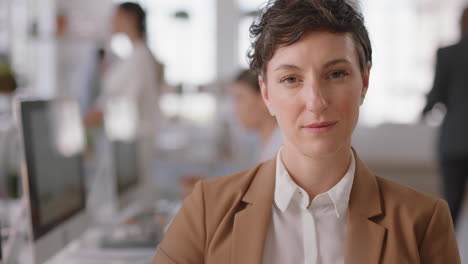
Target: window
<point x="405" y="36"/>
<point x="182" y="36"/>
<point x="248" y="9"/>
<point x="4" y="27"/>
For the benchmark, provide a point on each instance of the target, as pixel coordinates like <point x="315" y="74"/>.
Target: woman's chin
<point x="319" y="150"/>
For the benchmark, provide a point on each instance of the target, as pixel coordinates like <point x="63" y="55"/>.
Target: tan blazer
<point x="225" y="220"/>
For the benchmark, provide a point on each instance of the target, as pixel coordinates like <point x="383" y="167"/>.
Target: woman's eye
<point x="290" y="79"/>
<point x="338" y="74"/>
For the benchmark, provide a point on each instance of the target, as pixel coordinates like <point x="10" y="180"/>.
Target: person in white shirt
<point x="253" y="114"/>
<point x="128" y="102"/>
<point x="317" y="202"/>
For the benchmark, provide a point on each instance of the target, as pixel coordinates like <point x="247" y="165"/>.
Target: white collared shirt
<point x="299" y="233"/>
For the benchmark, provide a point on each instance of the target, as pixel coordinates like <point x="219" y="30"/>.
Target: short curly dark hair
<point x="284" y="22"/>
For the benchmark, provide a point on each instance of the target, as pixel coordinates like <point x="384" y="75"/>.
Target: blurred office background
<point x="52" y="48"/>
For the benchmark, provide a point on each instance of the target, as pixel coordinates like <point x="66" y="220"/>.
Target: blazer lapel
<point x="251" y="223"/>
<point x="365" y="238"/>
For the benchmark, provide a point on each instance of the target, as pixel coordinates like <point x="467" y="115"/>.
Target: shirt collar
<point x="341" y="192"/>
<point x="286" y="188"/>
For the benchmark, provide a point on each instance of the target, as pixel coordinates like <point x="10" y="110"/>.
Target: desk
<point x="86" y="250"/>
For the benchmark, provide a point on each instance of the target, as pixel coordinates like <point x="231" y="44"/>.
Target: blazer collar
<point x="251" y="223"/>
<point x="365" y="194"/>
<point x="364" y="237"/>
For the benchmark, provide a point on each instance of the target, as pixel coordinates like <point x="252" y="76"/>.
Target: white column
<point x="43" y="47"/>
<point x="227" y="22"/>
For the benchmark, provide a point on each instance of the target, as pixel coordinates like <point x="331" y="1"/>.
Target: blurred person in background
<point x="450" y="88"/>
<point x="254" y="115"/>
<point x="316" y="202"/>
<point x="135" y="77"/>
<point x="130" y="88"/>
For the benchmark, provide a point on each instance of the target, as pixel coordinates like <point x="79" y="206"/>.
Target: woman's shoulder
<point x="417" y="220"/>
<point x="215" y="199"/>
<point x="408" y="202"/>
<point x="404" y="192"/>
<point x="231" y="186"/>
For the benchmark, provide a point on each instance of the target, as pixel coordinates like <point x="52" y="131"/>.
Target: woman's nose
<point x="314" y="98"/>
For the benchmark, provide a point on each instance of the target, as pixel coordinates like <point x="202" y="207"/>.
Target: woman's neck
<point x="316" y="175"/>
<point x="266" y="129"/>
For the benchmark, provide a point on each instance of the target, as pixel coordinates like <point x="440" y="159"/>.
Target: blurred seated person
<point x="254" y="115"/>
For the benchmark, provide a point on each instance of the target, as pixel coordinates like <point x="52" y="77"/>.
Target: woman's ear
<point x="365" y="80"/>
<point x="264" y="91"/>
<point x="265" y="95"/>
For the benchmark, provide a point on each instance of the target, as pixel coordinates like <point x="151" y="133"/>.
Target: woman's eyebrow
<point x="287" y="67"/>
<point x="326" y="65"/>
<point x="335" y="61"/>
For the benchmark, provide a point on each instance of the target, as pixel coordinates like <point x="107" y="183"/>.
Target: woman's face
<point x="120" y="21"/>
<point x="248" y="105"/>
<point x="315" y="88"/>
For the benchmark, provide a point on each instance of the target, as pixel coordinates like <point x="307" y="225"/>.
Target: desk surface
<point x="86" y="250"/>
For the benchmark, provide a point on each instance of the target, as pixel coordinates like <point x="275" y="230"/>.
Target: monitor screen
<point x="125" y="156"/>
<point x="54" y="175"/>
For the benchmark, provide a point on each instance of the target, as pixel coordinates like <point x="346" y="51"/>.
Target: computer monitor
<point x="53" y="173"/>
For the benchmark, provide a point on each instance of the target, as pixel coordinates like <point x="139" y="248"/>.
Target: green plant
<point x="7" y="79"/>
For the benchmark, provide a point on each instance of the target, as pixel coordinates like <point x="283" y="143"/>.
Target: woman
<point x="253" y="114"/>
<point x="128" y="103"/>
<point x="317" y="202"/>
<point x="135" y="78"/>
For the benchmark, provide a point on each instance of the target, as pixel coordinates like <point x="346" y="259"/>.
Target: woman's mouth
<point x="320" y="127"/>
